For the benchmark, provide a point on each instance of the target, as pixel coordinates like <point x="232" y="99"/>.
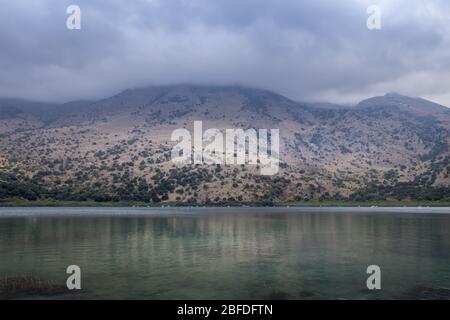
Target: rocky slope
<point x="119" y="148"/>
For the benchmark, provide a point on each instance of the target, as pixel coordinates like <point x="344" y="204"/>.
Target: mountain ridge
<point x="30" y="106"/>
<point x="118" y="148"/>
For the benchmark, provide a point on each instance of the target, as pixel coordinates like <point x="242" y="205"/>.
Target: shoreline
<point x="101" y="212"/>
<point x="19" y="203"/>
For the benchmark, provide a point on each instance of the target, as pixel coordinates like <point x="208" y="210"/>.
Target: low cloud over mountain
<point x="311" y="50"/>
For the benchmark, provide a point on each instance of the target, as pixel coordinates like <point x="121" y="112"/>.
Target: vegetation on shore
<point x="313" y="203"/>
<point x="25" y="286"/>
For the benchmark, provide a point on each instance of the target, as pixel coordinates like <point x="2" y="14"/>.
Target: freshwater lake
<point x="230" y="253"/>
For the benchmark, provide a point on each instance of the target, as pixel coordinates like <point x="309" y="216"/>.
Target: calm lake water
<point x="229" y="253"/>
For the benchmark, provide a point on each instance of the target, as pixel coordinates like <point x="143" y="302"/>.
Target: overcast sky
<point x="304" y="49"/>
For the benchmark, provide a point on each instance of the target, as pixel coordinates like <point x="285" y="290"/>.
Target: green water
<point x="228" y="253"/>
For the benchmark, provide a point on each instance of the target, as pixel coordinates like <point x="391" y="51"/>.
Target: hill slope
<point x="119" y="148"/>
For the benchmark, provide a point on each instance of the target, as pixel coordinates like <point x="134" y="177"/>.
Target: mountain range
<point x="119" y="148"/>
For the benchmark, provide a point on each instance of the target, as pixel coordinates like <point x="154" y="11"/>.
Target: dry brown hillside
<point x="119" y="148"/>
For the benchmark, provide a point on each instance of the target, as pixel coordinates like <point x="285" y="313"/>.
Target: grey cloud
<point x="308" y="50"/>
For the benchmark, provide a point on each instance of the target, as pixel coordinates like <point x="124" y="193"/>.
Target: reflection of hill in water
<point x="240" y="254"/>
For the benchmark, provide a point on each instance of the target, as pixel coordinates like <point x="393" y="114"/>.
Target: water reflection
<point x="234" y="254"/>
